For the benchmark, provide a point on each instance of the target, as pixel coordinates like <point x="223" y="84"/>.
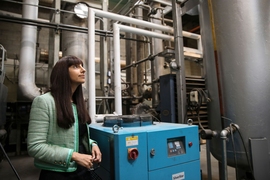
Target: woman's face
<point x="76" y="73"/>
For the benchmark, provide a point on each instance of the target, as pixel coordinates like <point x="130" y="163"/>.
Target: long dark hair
<point x="61" y="92"/>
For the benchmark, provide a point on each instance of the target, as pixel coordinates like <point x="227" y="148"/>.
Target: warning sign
<point x="132" y="141"/>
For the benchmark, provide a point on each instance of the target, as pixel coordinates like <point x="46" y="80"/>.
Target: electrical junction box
<point x="159" y="151"/>
<point x="193" y="96"/>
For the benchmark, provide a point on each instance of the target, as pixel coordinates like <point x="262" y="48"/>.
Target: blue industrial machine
<point x="136" y="148"/>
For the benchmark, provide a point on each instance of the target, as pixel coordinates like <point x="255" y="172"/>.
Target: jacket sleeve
<point x="88" y="142"/>
<point x="38" y="146"/>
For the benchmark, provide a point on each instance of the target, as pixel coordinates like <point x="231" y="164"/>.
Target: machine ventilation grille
<point x="197" y="83"/>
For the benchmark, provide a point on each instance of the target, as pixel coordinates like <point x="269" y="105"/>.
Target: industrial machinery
<point x="179" y="59"/>
<point x="134" y="147"/>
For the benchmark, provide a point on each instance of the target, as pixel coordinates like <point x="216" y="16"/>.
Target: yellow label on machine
<point x="132" y="141"/>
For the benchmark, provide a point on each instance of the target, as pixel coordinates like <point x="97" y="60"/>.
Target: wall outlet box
<point x="193" y="96"/>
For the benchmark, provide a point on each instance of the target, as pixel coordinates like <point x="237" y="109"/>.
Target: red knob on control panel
<point x="133" y="153"/>
<point x="190" y="144"/>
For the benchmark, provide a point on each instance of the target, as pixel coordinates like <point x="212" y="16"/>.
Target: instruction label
<point x="132" y="141"/>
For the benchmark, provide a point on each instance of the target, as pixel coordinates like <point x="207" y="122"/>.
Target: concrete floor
<point x="27" y="171"/>
<point x="214" y="167"/>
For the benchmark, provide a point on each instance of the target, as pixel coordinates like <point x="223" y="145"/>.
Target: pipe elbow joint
<point x="224" y="133"/>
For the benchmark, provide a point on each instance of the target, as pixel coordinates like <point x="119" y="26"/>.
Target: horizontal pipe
<point x="117" y="71"/>
<point x="91" y="27"/>
<point x="50" y="25"/>
<point x="112" y="97"/>
<point x="165" y="2"/>
<point x="145" y="32"/>
<point x="135" y="63"/>
<point x="132" y="20"/>
<point x="191" y="35"/>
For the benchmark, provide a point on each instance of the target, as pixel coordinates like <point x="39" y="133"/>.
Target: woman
<point x="58" y="133"/>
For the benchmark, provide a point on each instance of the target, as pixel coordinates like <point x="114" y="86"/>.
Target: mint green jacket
<point x="50" y="145"/>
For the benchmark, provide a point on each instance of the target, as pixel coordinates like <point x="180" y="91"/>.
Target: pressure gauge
<point x="81" y="10"/>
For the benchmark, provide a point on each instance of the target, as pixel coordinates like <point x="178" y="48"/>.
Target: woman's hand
<point x="84" y="160"/>
<point x="96" y="154"/>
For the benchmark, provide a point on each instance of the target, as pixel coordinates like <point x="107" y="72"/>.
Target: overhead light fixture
<point x="81" y="10"/>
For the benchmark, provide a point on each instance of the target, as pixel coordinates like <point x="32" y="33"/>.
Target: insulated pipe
<point x="131" y="20"/>
<point x="28" y="52"/>
<point x="157" y="66"/>
<point x="91" y="45"/>
<point x="117" y="71"/>
<point x="2" y="70"/>
<point x="145" y="32"/>
<point x="141" y="54"/>
<point x="75" y="43"/>
<point x="91" y="65"/>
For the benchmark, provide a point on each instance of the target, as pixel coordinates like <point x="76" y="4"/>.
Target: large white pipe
<point x="91" y="65"/>
<point x="144" y="32"/>
<point x="117" y="70"/>
<point x="28" y="52"/>
<point x="91" y="57"/>
<point x="91" y="45"/>
<point x="130" y="20"/>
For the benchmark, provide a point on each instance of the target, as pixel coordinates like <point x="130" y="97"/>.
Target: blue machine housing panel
<point x="188" y="171"/>
<point x="127" y="168"/>
<point x="116" y="165"/>
<point x="158" y="141"/>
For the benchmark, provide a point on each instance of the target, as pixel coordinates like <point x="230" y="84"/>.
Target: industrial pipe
<point x="117" y="70"/>
<point x="91" y="43"/>
<point x="131" y="20"/>
<point x="223" y="135"/>
<point x="28" y="52"/>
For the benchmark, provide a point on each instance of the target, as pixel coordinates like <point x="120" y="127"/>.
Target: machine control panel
<point x="176" y="146"/>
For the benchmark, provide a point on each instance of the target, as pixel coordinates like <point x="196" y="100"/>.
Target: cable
<point x="14" y="170"/>
<point x="153" y="113"/>
<point x="249" y="162"/>
<point x="196" y="106"/>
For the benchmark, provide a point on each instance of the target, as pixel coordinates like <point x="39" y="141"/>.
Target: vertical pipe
<point x="141" y="55"/>
<point x="75" y="43"/>
<point x="54" y="41"/>
<point x="223" y="136"/>
<point x="91" y="65"/>
<point x="208" y="157"/>
<point x="157" y="68"/>
<point x="179" y="58"/>
<point x="104" y="53"/>
<point x="129" y="59"/>
<point x="28" y="50"/>
<point x="117" y="70"/>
